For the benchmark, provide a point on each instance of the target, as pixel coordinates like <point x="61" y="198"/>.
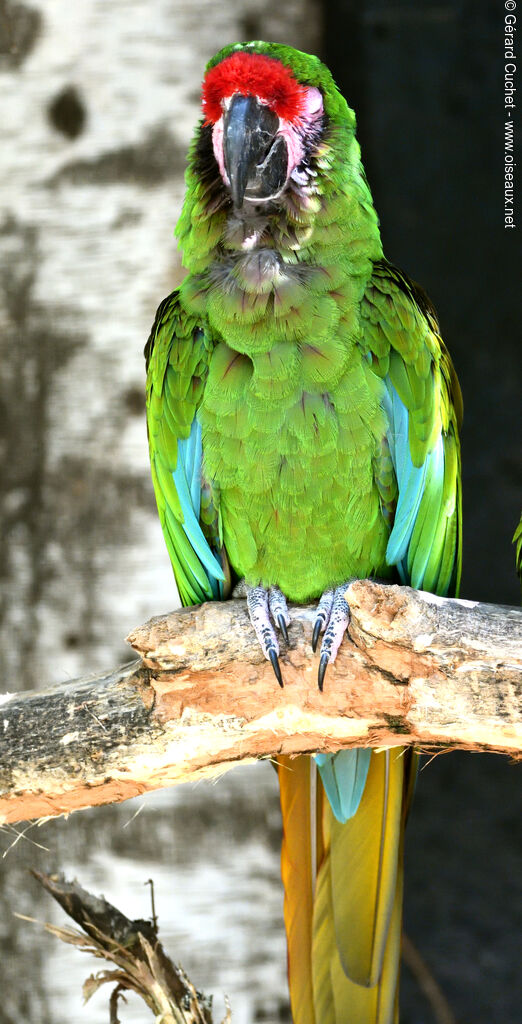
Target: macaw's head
<point x="267" y="106"/>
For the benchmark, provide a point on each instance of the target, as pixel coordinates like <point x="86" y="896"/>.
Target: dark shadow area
<point x="159" y="157"/>
<point x="426" y="83"/>
<point x="463" y="887"/>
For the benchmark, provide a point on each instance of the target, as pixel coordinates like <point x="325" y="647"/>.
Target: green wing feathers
<point x="177" y="354"/>
<point x="418" y="471"/>
<point x="517" y="541"/>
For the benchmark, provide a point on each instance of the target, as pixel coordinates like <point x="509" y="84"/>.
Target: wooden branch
<point x="419" y="669"/>
<point x="138" y="961"/>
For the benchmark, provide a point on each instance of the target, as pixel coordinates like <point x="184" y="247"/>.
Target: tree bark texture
<point x="132" y="948"/>
<point x="415" y="669"/>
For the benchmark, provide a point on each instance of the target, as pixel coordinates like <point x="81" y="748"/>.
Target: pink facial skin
<point x="292" y="131"/>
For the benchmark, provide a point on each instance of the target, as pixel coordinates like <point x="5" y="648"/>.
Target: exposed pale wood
<point x="416" y="669"/>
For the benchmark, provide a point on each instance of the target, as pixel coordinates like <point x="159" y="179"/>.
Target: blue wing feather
<point x="193" y="460"/>
<point x="424" y="543"/>
<point x="344" y="777"/>
<point x="187" y="480"/>
<point x="410" y="479"/>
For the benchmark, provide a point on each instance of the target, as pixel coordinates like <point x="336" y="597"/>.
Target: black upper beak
<point x="256" y="158"/>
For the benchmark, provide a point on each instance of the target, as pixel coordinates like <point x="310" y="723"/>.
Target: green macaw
<point x="303" y="418"/>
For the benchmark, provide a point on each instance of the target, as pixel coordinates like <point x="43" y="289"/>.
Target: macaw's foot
<point x="333" y="616"/>
<point x="263" y="607"/>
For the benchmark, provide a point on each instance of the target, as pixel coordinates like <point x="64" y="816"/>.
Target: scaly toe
<point x="258" y="610"/>
<point x="322" y="615"/>
<point x="335" y="630"/>
<point x="279" y="610"/>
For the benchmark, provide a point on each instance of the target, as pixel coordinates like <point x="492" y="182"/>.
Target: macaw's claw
<point x="264" y="608"/>
<point x="276" y="666"/>
<point x="323" y="665"/>
<point x="315" y="635"/>
<point x="282" y="627"/>
<point x="332" y="611"/>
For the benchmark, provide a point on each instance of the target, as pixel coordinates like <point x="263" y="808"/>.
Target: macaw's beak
<point x="256" y="157"/>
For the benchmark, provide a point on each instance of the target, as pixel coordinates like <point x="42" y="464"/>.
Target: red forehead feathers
<point x="252" y="74"/>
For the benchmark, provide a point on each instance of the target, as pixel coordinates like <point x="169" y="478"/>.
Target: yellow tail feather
<point x="364" y="858"/>
<point x="324" y="950"/>
<point x="344" y="927"/>
<point x="337" y="999"/>
<point x="297" y="869"/>
<point x="356" y="1004"/>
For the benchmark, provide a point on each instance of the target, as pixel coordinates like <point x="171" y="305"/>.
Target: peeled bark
<point x="415" y="669"/>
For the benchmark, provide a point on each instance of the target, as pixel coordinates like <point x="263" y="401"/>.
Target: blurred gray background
<point x="97" y="103"/>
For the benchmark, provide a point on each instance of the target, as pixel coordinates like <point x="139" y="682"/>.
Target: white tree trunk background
<point x="86" y="254"/>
